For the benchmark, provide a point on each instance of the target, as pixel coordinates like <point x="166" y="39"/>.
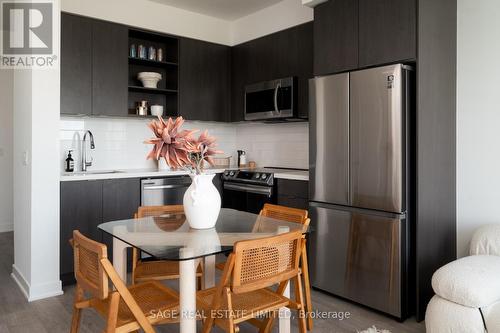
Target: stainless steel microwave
<point x="271" y="100"/>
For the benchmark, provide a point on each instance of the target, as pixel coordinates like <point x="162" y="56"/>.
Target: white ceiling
<point x="229" y="10"/>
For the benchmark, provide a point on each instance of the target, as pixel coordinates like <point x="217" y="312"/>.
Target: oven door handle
<point x="249" y="188"/>
<point x="161" y="187"/>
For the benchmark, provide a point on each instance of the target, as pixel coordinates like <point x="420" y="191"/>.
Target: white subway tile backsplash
<point x="120" y="142"/>
<point x="277" y="145"/>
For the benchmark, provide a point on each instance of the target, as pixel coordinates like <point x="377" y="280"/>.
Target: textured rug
<point x="373" y="329"/>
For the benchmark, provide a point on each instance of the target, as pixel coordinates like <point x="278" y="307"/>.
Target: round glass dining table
<point x="169" y="237"/>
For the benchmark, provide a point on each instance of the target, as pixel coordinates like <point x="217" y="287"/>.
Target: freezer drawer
<point x="357" y="256"/>
<point x="377" y="138"/>
<point x="329" y="139"/>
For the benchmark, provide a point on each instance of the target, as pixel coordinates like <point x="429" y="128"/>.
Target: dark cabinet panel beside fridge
<point x="359" y="194"/>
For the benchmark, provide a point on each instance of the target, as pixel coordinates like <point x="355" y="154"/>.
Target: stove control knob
<point x="264" y="176"/>
<point x="257" y="175"/>
<point x="226" y="173"/>
<point x="231" y="173"/>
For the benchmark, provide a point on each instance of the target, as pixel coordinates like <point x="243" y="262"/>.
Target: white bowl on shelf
<point x="149" y="79"/>
<point x="156" y="110"/>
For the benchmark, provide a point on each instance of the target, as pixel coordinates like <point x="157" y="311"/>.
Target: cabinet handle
<point x="160" y="187"/>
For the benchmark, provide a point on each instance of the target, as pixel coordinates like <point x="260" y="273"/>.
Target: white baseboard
<point x="6" y="226"/>
<point x="36" y="292"/>
<point x="21" y="281"/>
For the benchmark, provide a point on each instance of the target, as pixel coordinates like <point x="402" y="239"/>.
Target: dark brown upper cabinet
<point x="281" y="54"/>
<point x="204" y="80"/>
<point x="76" y="65"/>
<point x="109" y="69"/>
<point x="387" y="31"/>
<point x="336" y="36"/>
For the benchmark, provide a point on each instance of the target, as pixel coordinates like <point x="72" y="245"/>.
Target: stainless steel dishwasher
<point x="164" y="191"/>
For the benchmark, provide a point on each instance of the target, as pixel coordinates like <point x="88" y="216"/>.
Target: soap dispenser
<point x="70" y="163"/>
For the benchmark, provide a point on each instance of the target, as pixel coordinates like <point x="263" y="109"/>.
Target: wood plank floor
<point x="54" y="315"/>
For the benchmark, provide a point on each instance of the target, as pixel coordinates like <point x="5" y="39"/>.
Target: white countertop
<point x="131" y="173"/>
<point x="146" y="173"/>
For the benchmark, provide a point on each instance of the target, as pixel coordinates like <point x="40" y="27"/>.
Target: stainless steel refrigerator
<point x="360" y="186"/>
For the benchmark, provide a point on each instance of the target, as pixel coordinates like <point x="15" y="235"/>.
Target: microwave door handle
<point x="278" y="86"/>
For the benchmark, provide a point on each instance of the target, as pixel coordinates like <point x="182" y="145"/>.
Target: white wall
<point x="163" y="18"/>
<point x="154" y="16"/>
<point x="6" y="123"/>
<point x="22" y="177"/>
<point x="478" y="118"/>
<point x="283" y="15"/>
<point x="36" y="178"/>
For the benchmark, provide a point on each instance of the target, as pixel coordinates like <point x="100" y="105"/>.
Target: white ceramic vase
<point x="202" y="202"/>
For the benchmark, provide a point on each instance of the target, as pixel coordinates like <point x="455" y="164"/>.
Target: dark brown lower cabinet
<point x="120" y="199"/>
<point x="293" y="193"/>
<point x="81" y="209"/>
<point x="85" y="205"/>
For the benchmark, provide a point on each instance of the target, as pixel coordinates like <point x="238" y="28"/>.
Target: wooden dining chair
<point x="147" y="270"/>
<point x="244" y="293"/>
<point x="290" y="215"/>
<point x="126" y="309"/>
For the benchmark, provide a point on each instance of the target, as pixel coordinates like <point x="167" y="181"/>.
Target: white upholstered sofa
<point x="467" y="290"/>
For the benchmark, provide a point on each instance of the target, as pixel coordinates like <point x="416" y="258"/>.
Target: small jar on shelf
<point x="133" y="51"/>
<point x="152" y="53"/>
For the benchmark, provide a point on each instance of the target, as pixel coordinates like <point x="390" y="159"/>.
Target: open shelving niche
<point x="167" y="92"/>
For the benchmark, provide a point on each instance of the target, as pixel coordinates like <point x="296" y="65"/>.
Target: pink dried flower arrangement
<point x="178" y="147"/>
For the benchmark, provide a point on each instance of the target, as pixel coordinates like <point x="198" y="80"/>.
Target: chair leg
<point x="267" y="323"/>
<point x="232" y="326"/>
<point x="207" y="327"/>
<point x="77" y="313"/>
<point x="299" y="298"/>
<point x="113" y="313"/>
<point x="307" y="288"/>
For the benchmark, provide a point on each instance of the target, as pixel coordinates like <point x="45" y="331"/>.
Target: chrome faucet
<point x="86" y="164"/>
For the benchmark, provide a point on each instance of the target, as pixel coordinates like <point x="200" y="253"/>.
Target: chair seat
<point x="158" y="302"/>
<point x="159" y="270"/>
<point x="245" y="305"/>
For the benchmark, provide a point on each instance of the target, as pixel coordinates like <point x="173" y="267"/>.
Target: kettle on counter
<point x="242" y="158"/>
